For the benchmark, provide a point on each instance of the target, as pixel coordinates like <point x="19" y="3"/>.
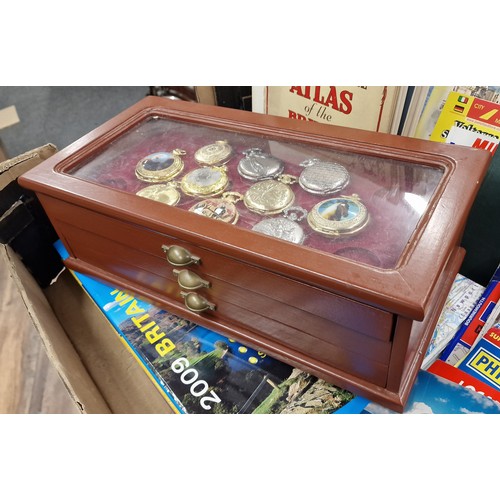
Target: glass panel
<point x="356" y="206"/>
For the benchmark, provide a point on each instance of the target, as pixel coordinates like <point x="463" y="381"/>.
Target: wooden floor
<point x="28" y="382"/>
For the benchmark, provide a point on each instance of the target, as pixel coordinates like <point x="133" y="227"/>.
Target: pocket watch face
<point x="324" y="177"/>
<point x="159" y="167"/>
<point x="205" y="181"/>
<point x="269" y="197"/>
<point x="157" y="161"/>
<point x="336" y="216"/>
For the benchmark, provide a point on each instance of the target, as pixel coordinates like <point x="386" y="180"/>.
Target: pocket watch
<point x="338" y="216"/>
<point x="323" y="177"/>
<point x="214" y="154"/>
<point x="258" y="165"/>
<point x="160" y="167"/>
<point x="205" y="181"/>
<point x="164" y="193"/>
<point x="271" y="196"/>
<point x="285" y="227"/>
<point x="223" y="208"/>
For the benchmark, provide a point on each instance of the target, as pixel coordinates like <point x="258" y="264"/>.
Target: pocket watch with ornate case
<point x="214" y="154"/>
<point x="164" y="193"/>
<point x="161" y="166"/>
<point x="323" y="177"/>
<point x="258" y="165"/>
<point x="271" y="196"/>
<point x="338" y="216"/>
<point x="223" y="208"/>
<point x="285" y="227"/>
<point x="205" y="181"/>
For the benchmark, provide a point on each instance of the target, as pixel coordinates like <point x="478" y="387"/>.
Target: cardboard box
<point x="99" y="372"/>
<point x="101" y="375"/>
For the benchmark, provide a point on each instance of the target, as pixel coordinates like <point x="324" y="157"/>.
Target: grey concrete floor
<point x="60" y="115"/>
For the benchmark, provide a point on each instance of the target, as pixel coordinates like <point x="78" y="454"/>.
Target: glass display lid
<point x="360" y="207"/>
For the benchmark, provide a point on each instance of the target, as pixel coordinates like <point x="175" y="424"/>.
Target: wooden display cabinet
<point x="354" y="304"/>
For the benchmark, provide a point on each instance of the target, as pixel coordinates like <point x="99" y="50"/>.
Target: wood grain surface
<point x="28" y="381"/>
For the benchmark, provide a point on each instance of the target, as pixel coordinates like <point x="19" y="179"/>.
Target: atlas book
<point x="463" y="296"/>
<point x="469" y="330"/>
<point x="470" y="121"/>
<point x="436" y="100"/>
<point x="199" y="371"/>
<point x="483" y="360"/>
<point x="375" y="108"/>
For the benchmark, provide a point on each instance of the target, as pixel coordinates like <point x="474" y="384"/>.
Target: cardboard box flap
<point x="101" y="374"/>
<point x="120" y="378"/>
<point x="59" y="349"/>
<point x="11" y="169"/>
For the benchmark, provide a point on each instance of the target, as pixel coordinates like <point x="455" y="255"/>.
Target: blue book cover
<point x="200" y="371"/>
<point x="437" y="395"/>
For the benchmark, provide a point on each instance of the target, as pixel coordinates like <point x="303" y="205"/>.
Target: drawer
<point x="362" y="318"/>
<point x="328" y="342"/>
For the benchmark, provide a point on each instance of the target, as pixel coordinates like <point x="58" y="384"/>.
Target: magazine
<point x="199" y="371"/>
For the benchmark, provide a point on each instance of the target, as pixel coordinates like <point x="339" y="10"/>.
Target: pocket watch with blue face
<point x="160" y="166"/>
<point x="338" y="216"/>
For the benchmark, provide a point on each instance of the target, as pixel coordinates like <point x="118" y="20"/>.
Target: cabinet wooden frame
<point x="407" y="299"/>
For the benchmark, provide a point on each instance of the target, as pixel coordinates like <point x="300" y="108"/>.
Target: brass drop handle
<point x="179" y="256"/>
<point x="189" y="280"/>
<point x="196" y="303"/>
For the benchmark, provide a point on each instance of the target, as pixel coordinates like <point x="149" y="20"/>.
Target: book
<point x="374" y="108"/>
<point x="462" y="298"/>
<point x="435" y="394"/>
<point x="436" y="99"/>
<point x="469" y="114"/>
<point x="454" y="374"/>
<point x="466" y="335"/>
<point x="199" y="371"/>
<point x="483" y="359"/>
<point x="416" y="105"/>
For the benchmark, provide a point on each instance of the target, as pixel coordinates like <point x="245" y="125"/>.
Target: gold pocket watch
<point x="223" y="208"/>
<point x="338" y="216"/>
<point x="214" y="154"/>
<point x="271" y="196"/>
<point x="205" y="182"/>
<point x="161" y="166"/>
<point x="164" y="193"/>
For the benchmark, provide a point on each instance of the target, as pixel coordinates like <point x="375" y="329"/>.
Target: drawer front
<point x="367" y="320"/>
<point x="337" y="346"/>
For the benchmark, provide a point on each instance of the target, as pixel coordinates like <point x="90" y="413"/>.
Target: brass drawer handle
<point x="196" y="303"/>
<point x="189" y="280"/>
<point x="179" y="256"/>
